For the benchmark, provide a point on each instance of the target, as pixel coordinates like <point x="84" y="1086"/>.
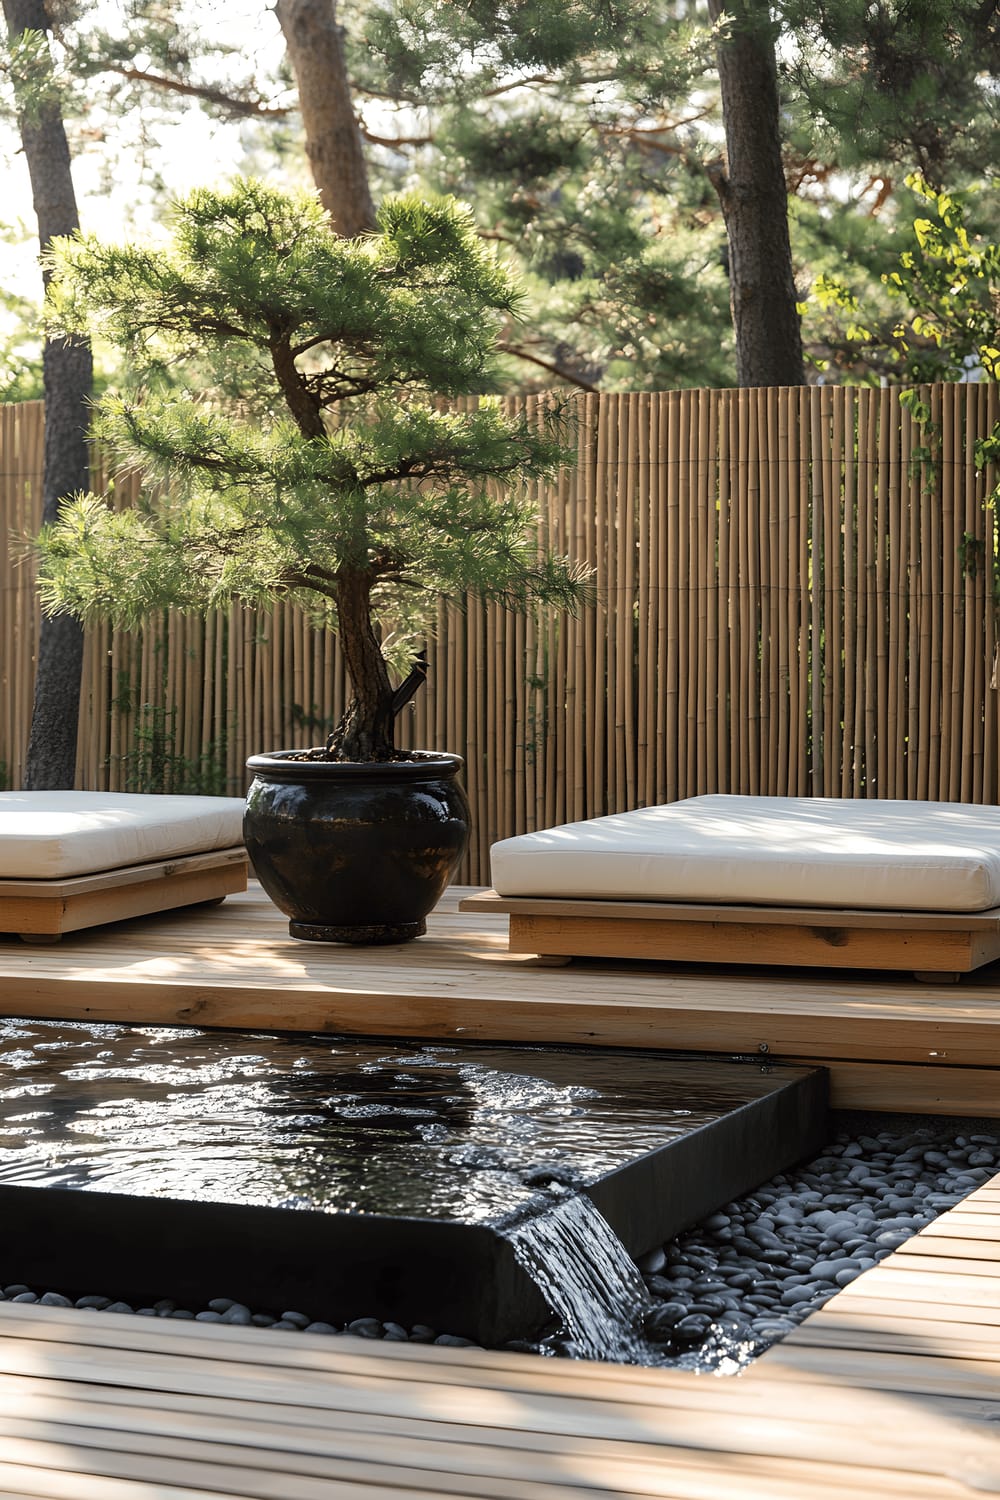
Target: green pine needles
<point x="306" y="458"/>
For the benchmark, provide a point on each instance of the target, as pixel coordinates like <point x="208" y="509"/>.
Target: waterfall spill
<point x="588" y="1280"/>
<point x="416" y="1182"/>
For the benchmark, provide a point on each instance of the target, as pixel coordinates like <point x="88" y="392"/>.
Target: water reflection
<point x="335" y="1124"/>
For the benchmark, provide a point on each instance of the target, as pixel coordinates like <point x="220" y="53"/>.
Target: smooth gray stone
<point x="263" y="1320"/>
<point x="664" y="1317"/>
<point x="796" y="1294"/>
<point x="366" y="1328"/>
<point x="300" y="1319"/>
<point x="765" y="1238"/>
<point x="654" y="1260"/>
<point x="320" y="1328"/>
<point x="771" y="1332"/>
<point x="54" y="1299"/>
<point x="97" y="1303"/>
<point x="828" y="1270"/>
<point x="823" y="1219"/>
<point x="118" y="1307"/>
<point x="693" y="1328"/>
<point x="182" y="1314"/>
<point x="286" y="1327"/>
<point x="710" y="1305"/>
<point x="220" y="1304"/>
<point x="209" y="1315"/>
<point x="238" y="1315"/>
<point x="452" y="1341"/>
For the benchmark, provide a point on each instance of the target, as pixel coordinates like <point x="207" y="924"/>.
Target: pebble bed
<point x="745" y="1276"/>
<point x="724" y="1291"/>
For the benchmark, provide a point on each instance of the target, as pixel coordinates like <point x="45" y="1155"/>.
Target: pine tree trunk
<point x="754" y="198"/>
<point x="315" y="46"/>
<point x="68" y="379"/>
<point x="366" y="730"/>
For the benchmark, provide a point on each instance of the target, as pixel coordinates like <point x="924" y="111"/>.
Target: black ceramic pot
<point x="352" y="852"/>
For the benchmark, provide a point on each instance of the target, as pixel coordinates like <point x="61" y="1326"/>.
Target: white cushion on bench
<point x="52" y="835"/>
<point x="771" y="851"/>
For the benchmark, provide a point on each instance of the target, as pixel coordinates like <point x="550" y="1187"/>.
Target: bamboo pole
<point x="948" y="586"/>
<point x="739" y="762"/>
<point x="709" y="594"/>
<point x="989" y="479"/>
<point x="936" y="561"/>
<point x="895" y="590"/>
<point x="878" y="614"/>
<point x="835" y="592"/>
<point x="687" y="634"/>
<point x="660" y="563"/>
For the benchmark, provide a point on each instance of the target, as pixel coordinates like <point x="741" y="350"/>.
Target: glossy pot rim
<point x="282" y="765"/>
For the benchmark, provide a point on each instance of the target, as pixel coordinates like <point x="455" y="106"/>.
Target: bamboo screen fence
<point x="781" y="608"/>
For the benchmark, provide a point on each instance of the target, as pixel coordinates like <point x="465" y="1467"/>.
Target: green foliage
<point x="154" y="765"/>
<point x="572" y="129"/>
<point x="945" y="288"/>
<point x="904" y="85"/>
<point x="317" y="468"/>
<point x="581" y="131"/>
<point x="37" y="84"/>
<point x="944" y="291"/>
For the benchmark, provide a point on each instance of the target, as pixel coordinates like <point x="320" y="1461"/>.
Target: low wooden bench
<point x="938" y="946"/>
<point x="623" y="880"/>
<point x="71" y="860"/>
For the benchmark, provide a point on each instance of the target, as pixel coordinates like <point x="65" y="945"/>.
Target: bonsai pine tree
<point x="306" y="458"/>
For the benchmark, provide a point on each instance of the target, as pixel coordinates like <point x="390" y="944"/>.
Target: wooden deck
<point x="892" y="1390"/>
<point x="889" y="1041"/>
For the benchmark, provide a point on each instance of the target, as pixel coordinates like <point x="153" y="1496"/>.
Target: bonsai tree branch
<point x="365" y="522"/>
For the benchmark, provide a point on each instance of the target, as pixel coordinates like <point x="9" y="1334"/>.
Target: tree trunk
<point x="366" y="730"/>
<point x="754" y="198"/>
<point x="68" y="378"/>
<point x="315" y="46"/>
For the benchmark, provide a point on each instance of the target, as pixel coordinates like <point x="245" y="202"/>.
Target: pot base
<point x="369" y="936"/>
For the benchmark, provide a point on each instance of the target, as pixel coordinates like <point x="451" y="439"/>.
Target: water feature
<point x="588" y="1280"/>
<point x="397" y="1179"/>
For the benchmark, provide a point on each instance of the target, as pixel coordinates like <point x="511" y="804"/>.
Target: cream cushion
<point x="771" y="851"/>
<point x="52" y="835"/>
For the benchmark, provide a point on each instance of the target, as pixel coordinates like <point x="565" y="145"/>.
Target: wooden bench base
<point x="931" y="945"/>
<point x="42" y="910"/>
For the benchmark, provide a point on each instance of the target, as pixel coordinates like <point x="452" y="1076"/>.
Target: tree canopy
<point x="312" y="464"/>
<point x="588" y="138"/>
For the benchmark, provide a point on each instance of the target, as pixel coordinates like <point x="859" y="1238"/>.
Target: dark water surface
<point x="428" y="1131"/>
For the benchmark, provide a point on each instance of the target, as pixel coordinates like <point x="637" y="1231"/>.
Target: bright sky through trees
<point x="122" y="166"/>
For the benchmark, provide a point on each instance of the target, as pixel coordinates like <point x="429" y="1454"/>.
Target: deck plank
<point x="177" y="1406"/>
<point x="236" y="966"/>
<point x="891" y="1390"/>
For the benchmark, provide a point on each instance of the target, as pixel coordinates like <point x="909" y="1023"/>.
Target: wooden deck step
<point x="889" y="1041"/>
<point x="237" y="1411"/>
